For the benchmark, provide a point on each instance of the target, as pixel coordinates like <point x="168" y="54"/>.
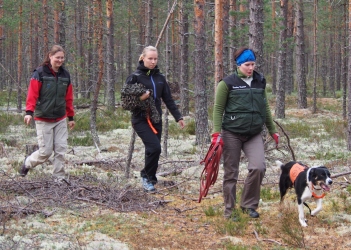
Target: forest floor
<point x="102" y="209"/>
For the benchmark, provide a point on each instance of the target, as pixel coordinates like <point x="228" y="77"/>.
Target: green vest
<point x="51" y="102"/>
<point x="245" y="111"/>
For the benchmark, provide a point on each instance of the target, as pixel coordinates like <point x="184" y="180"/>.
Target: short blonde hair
<point x="146" y="49"/>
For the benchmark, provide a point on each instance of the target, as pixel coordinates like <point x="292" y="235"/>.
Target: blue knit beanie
<point x="246" y="56"/>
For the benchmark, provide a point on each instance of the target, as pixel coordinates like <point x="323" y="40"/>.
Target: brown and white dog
<point x="308" y="183"/>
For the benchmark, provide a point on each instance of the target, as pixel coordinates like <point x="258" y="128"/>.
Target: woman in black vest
<point x="50" y="102"/>
<point x="240" y="111"/>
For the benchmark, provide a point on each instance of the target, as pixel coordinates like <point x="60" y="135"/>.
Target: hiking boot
<point x="23" y="171"/>
<point x="147" y="185"/>
<point x="251" y="212"/>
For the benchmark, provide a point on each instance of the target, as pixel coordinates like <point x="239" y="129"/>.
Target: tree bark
<point x="233" y="42"/>
<point x="165" y="133"/>
<point x="256" y="32"/>
<point x="110" y="76"/>
<point x="274" y="53"/>
<point x="219" y="4"/>
<point x="331" y="49"/>
<point x="300" y="57"/>
<point x="344" y="62"/>
<point x="290" y="51"/>
<point x="19" y="60"/>
<point x="184" y="61"/>
<point x="149" y="23"/>
<point x="280" y="99"/>
<point x="201" y="114"/>
<point x="62" y="25"/>
<point x="314" y="91"/>
<point x="57" y="23"/>
<point x="45" y="22"/>
<point x="99" y="29"/>
<point x="349" y="83"/>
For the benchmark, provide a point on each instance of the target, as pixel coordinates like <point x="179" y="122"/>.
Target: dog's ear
<point x="312" y="174"/>
<point x="325" y="169"/>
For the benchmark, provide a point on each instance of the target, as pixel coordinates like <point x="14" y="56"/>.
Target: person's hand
<point x="71" y="124"/>
<point x="276" y="138"/>
<point x="216" y="137"/>
<point x="181" y="123"/>
<point x="27" y="119"/>
<point x="144" y="96"/>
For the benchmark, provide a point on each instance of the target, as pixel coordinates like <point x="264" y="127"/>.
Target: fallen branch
<point x="28" y="211"/>
<point x="274" y="241"/>
<point x="288" y="140"/>
<point x="341" y="174"/>
<point x="102" y="161"/>
<point x="184" y="210"/>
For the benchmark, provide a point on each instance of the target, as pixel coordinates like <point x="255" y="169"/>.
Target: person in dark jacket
<point x="156" y="88"/>
<point x="240" y="111"/>
<point x="50" y="101"/>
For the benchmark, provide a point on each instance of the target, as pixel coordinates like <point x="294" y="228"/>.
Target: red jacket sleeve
<point x="33" y="93"/>
<point x="69" y="101"/>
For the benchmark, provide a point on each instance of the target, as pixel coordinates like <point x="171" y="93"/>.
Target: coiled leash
<point x="210" y="172"/>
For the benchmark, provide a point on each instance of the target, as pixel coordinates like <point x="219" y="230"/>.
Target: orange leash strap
<point x="150" y="125"/>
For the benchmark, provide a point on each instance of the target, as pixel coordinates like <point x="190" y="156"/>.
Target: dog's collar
<point x="311" y="187"/>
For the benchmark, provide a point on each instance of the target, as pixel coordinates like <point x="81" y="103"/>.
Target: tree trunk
<point x="2" y="76"/>
<point x="344" y="62"/>
<point x="110" y="76"/>
<point x="62" y="39"/>
<point x="19" y="61"/>
<point x="256" y="32"/>
<point x="142" y="21"/>
<point x="314" y="91"/>
<point x="57" y="23"/>
<point x="130" y="153"/>
<point x="165" y="126"/>
<point x="290" y="51"/>
<point x="45" y="22"/>
<point x="280" y="99"/>
<point x="99" y="29"/>
<point x="80" y="80"/>
<point x="201" y="114"/>
<point x="349" y="84"/>
<point x="226" y="38"/>
<point x="233" y="41"/>
<point x="184" y="60"/>
<point x="300" y="57"/>
<point x="129" y="46"/>
<point x="338" y="59"/>
<point x="274" y="53"/>
<point x="219" y="4"/>
<point x="35" y="37"/>
<point x="242" y="23"/>
<point x="331" y="49"/>
<point x="149" y="23"/>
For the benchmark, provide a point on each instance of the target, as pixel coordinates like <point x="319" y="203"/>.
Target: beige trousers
<point x="52" y="138"/>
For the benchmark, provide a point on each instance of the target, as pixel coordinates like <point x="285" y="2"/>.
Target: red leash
<point x="210" y="172"/>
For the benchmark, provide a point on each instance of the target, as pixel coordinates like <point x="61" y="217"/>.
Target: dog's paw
<point x="303" y="223"/>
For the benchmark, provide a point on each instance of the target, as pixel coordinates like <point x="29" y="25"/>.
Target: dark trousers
<point x="152" y="143"/>
<point x="253" y="148"/>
